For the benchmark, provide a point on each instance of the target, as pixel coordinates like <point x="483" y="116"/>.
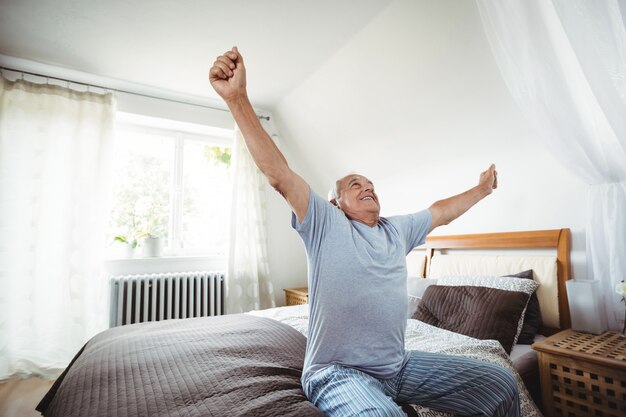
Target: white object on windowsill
<point x="152" y="247"/>
<point x="129" y="251"/>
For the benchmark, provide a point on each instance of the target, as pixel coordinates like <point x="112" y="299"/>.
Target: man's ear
<point x="334" y="202"/>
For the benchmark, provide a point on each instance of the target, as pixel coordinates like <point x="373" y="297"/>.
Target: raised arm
<point x="444" y="211"/>
<point x="228" y="78"/>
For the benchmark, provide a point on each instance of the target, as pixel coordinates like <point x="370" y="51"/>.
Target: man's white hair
<point x="333" y="193"/>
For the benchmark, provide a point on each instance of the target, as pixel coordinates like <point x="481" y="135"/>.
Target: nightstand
<point x="296" y="296"/>
<point x="583" y="374"/>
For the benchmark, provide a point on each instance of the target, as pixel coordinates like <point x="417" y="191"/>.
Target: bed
<point x="545" y="253"/>
<point x="250" y="364"/>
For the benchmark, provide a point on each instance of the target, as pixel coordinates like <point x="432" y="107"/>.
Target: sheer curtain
<point x="564" y="62"/>
<point x="54" y="145"/>
<point x="248" y="283"/>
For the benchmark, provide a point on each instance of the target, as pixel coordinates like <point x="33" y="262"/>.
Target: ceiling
<point x="171" y="45"/>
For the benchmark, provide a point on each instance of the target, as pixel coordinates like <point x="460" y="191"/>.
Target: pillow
<point x="479" y="312"/>
<point x="413" y="303"/>
<point x="417" y="286"/>
<point x="415" y="289"/>
<point x="532" y="317"/>
<point x="503" y="283"/>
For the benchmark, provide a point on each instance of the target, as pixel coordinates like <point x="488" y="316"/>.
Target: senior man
<point x="355" y="362"/>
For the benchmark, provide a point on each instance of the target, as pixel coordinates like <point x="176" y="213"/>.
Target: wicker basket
<point x="583" y="374"/>
<point x="296" y="296"/>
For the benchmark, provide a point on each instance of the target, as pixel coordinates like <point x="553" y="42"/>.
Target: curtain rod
<point x="48" y="77"/>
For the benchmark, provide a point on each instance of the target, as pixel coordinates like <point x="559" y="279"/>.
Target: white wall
<point x="416" y="102"/>
<point x="285" y="250"/>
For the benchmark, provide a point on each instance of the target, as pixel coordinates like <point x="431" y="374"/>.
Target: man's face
<point x="357" y="197"/>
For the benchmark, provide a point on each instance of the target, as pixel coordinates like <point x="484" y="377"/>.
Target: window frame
<point x="179" y="132"/>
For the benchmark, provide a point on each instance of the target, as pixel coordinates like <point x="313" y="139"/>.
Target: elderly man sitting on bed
<point x="356" y="363"/>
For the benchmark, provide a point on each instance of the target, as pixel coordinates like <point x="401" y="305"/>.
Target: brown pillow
<point x="479" y="312"/>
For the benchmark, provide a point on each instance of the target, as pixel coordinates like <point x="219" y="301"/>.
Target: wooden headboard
<point x="559" y="239"/>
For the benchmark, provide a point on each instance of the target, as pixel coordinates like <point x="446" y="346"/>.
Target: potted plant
<point x="152" y="246"/>
<point x="130" y="244"/>
<point x="126" y="233"/>
<point x="150" y="235"/>
<point x="142" y="223"/>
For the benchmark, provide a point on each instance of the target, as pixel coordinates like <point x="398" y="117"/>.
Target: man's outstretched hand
<point x="228" y="75"/>
<point x="489" y="179"/>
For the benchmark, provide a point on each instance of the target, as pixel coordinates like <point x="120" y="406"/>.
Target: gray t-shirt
<point x="357" y="288"/>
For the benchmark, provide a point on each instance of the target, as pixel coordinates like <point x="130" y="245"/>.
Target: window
<point x="170" y="180"/>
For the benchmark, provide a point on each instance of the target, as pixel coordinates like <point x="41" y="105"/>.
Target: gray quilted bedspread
<point x="235" y="365"/>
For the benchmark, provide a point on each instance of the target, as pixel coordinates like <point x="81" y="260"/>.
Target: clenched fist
<point x="489" y="179"/>
<point x="228" y="75"/>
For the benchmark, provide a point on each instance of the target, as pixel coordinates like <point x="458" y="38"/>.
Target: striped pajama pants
<point x="462" y="386"/>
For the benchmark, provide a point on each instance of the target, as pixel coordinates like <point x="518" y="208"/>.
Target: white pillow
<point x="413" y="303"/>
<point x="524" y="285"/>
<point x="417" y="286"/>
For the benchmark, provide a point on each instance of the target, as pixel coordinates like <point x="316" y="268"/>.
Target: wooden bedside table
<point x="583" y="374"/>
<point x="296" y="296"/>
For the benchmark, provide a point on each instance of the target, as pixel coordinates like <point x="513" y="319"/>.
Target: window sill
<point x="169" y="258"/>
<point x="164" y="264"/>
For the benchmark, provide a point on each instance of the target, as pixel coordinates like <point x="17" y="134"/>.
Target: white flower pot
<point x="129" y="251"/>
<point x="152" y="247"/>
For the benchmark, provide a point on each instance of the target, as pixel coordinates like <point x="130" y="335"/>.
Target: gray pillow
<point x="417" y="286"/>
<point x="532" y="316"/>
<point x="413" y="303"/>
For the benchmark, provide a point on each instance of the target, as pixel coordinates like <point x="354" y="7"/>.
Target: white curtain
<point x="248" y="283"/>
<point x="564" y="62"/>
<point x="54" y="145"/>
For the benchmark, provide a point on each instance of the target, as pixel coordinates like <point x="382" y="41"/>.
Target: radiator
<point x="154" y="297"/>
